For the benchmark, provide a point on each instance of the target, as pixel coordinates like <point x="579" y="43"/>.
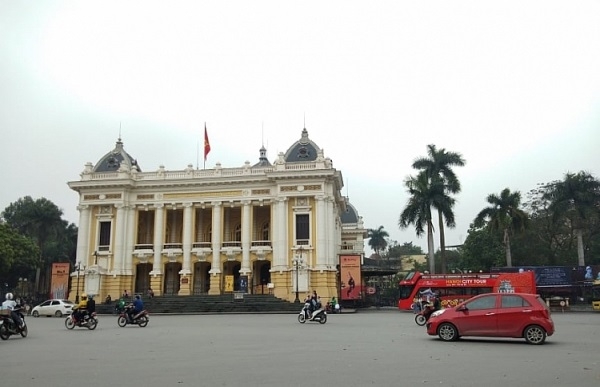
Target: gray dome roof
<point x="350" y="215"/>
<point x="113" y="160"/>
<point x="303" y="150"/>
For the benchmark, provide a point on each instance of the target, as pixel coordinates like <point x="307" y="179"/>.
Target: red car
<point x="517" y="315"/>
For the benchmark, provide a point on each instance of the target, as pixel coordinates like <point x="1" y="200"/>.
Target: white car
<point x="55" y="307"/>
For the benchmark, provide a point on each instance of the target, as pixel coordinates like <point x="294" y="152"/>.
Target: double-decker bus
<point x="456" y="288"/>
<point x="596" y="295"/>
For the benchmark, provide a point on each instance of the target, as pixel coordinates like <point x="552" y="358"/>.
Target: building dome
<point x="116" y="159"/>
<point x="303" y="150"/>
<point x="350" y="215"/>
<point x="262" y="160"/>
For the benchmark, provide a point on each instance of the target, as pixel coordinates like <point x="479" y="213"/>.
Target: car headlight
<point x="438" y="313"/>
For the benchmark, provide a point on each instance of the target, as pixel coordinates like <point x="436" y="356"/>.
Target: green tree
<point x="481" y="250"/>
<point x="503" y="215"/>
<point x="41" y="221"/>
<point x="17" y="256"/>
<point x="438" y="166"/>
<point x="377" y="239"/>
<point x="576" y="201"/>
<point x="424" y="194"/>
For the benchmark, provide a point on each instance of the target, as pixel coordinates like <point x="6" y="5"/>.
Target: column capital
<point x="159" y="206"/>
<point x="83" y="207"/>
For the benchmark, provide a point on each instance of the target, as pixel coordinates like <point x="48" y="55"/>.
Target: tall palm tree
<point x="424" y="194"/>
<point x="576" y="197"/>
<point x="377" y="239"/>
<point x="504" y="215"/>
<point x="438" y="166"/>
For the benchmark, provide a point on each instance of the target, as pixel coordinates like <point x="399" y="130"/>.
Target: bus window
<point x="404" y="291"/>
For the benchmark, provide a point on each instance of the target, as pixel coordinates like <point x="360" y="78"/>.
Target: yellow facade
<point x="271" y="228"/>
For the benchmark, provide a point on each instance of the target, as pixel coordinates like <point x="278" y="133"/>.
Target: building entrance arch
<point x="171" y="285"/>
<point x="231" y="269"/>
<point x="201" y="278"/>
<point x="142" y="277"/>
<point x="261" y="277"/>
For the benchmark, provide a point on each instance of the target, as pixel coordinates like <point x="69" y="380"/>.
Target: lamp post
<point x="78" y="267"/>
<point x="297" y="264"/>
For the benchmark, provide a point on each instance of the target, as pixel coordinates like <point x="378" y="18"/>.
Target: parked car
<point x="516" y="315"/>
<point x="54" y="307"/>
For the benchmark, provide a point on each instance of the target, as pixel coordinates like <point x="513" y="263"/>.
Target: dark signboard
<point x="545" y="276"/>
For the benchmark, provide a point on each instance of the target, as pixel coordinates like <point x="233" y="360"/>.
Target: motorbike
<point x="422" y="316"/>
<point x="141" y="319"/>
<point x="319" y="315"/>
<point x="8" y="327"/>
<point x="89" y="321"/>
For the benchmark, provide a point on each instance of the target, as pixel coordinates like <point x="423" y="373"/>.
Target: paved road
<point x="374" y="348"/>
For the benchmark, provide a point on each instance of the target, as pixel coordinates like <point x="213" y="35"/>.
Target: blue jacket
<point x="138" y="305"/>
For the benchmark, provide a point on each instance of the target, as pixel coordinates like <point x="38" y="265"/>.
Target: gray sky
<point x="514" y="86"/>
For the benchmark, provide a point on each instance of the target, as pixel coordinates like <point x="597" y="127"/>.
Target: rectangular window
<point x="302" y="229"/>
<point x="104" y="240"/>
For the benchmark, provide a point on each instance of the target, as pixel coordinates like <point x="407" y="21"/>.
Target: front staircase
<point x="225" y="303"/>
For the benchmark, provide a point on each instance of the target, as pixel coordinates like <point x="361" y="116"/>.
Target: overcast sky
<point x="514" y="86"/>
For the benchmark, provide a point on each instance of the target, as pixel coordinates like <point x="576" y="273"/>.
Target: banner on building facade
<point x="350" y="280"/>
<point x="59" y="285"/>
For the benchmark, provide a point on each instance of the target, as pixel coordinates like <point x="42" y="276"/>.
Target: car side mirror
<point x="462" y="308"/>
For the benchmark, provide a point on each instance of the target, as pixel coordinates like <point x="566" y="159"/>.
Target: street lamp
<point x="78" y="267"/>
<point x="298" y="262"/>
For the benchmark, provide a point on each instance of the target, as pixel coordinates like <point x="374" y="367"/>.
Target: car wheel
<point x="35" y="313"/>
<point x="58" y="313"/>
<point x="534" y="334"/>
<point x="447" y="332"/>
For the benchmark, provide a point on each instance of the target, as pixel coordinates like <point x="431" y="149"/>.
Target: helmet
<point x="90" y="296"/>
<point x="9" y="296"/>
<point x="137" y="297"/>
<point x="83" y="295"/>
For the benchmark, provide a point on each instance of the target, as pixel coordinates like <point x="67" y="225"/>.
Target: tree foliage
<point x="41" y="222"/>
<point x="377" y="239"/>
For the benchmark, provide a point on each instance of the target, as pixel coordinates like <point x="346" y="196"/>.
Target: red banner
<point x="350" y="277"/>
<point x="59" y="287"/>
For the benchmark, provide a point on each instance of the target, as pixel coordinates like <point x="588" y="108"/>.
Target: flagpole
<point x="197" y="154"/>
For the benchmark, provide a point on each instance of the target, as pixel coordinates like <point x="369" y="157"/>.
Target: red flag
<point x="206" y="143"/>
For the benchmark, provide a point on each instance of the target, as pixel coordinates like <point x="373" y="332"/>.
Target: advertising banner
<point x="350" y="277"/>
<point x="59" y="286"/>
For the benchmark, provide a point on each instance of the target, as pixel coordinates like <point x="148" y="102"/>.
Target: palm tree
<point x="504" y="215"/>
<point x="577" y="198"/>
<point x="424" y="194"/>
<point x="377" y="239"/>
<point x="438" y="166"/>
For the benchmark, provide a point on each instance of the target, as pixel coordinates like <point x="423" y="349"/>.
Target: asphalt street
<point x="368" y="348"/>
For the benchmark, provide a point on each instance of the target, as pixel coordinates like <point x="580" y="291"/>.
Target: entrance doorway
<point x="171" y="284"/>
<point x="232" y="268"/>
<point x="142" y="277"/>
<point x="261" y="277"/>
<point x="201" y="278"/>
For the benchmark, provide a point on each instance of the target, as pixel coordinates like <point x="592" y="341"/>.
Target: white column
<point x="187" y="238"/>
<point x="158" y="238"/>
<point x="119" y="237"/>
<point x="131" y="235"/>
<point x="280" y="248"/>
<point x="332" y="237"/>
<point x="322" y="249"/>
<point x="83" y="235"/>
<point x="246" y="235"/>
<point x="216" y="238"/>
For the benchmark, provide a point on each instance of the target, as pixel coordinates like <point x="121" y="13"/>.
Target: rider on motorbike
<point x="80" y="310"/>
<point x="136" y="307"/>
<point x="11" y="305"/>
<point x="437" y="305"/>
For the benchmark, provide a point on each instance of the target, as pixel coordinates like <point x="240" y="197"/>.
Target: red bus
<point x="456" y="288"/>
